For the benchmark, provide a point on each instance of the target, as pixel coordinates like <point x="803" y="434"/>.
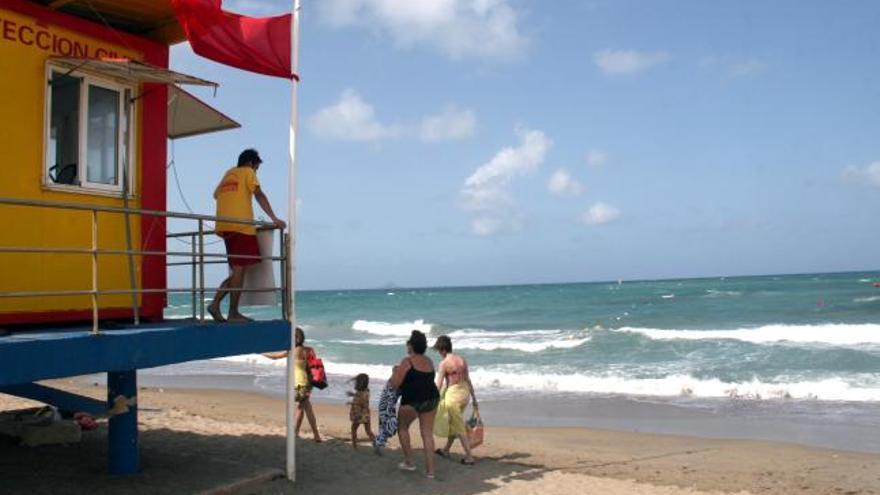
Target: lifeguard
<point x="234" y="196"/>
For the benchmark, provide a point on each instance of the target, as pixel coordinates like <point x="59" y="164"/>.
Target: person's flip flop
<point x="467" y="462"/>
<point x="441" y="453"/>
<point x="406" y="467"/>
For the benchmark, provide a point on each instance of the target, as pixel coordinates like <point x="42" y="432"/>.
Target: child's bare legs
<point x="369" y="431"/>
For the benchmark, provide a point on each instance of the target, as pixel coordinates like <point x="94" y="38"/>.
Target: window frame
<point x="126" y="122"/>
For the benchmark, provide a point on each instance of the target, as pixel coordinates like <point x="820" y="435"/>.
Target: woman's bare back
<point x="454" y="368"/>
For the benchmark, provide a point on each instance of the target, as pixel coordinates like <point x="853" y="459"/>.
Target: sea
<point x="806" y="342"/>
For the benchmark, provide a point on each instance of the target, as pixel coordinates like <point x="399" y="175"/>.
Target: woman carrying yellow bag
<point x="449" y="422"/>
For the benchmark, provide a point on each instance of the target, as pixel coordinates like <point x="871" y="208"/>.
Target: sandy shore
<point x="201" y="440"/>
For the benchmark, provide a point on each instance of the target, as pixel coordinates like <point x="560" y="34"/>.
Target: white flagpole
<point x="291" y="245"/>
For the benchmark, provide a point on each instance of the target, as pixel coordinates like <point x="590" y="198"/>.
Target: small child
<point x="387" y="415"/>
<point x="360" y="407"/>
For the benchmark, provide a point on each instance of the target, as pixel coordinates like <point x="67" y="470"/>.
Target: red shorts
<point x="238" y="244"/>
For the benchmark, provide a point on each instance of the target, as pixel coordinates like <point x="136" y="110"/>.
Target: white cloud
<point x="457" y="28"/>
<point x="353" y="119"/>
<point x="561" y="183"/>
<point x="627" y="61"/>
<point x="486" y="193"/>
<point x="350" y="119"/>
<point x="451" y="124"/>
<point x="600" y="214"/>
<point x="746" y="69"/>
<point x="868" y="176"/>
<point x="596" y="158"/>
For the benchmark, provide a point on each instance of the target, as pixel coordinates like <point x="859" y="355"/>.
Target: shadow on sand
<point x="177" y="462"/>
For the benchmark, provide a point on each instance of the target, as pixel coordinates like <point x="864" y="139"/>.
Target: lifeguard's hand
<point x="281" y="224"/>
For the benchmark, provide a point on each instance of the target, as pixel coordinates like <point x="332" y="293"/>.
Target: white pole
<point x="291" y="248"/>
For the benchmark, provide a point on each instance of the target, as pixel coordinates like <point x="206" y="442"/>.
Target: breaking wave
<point x="829" y="334"/>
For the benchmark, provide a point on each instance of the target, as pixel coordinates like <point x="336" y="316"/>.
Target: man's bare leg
<point x="214" y="307"/>
<point x="236" y="281"/>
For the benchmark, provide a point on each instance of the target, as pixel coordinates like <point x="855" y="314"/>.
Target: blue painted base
<point x="27" y="357"/>
<point x="122" y="441"/>
<point x="64" y="401"/>
<point x="32" y="356"/>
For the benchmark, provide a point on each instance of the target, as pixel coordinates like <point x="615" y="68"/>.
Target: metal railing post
<point x="195" y="255"/>
<point x="94" y="272"/>
<point x="201" y="271"/>
<point x="194" y="268"/>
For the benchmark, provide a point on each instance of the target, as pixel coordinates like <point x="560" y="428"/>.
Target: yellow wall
<point x="22" y="91"/>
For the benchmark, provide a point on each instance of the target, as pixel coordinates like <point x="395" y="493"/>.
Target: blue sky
<point x="463" y="142"/>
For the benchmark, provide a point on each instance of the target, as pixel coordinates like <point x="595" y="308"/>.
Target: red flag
<point x="256" y="44"/>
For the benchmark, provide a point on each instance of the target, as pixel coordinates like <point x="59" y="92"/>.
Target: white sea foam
<point x="831" y="334"/>
<point x="525" y="341"/>
<point x="395" y="329"/>
<point x="252" y="359"/>
<point x="344" y="369"/>
<point x="833" y="389"/>
<point x="859" y="388"/>
<point x="722" y="293"/>
<point x="531" y="341"/>
<point x="867" y="299"/>
<point x="477" y="339"/>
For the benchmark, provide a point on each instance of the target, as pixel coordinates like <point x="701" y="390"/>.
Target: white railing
<point x="197" y="258"/>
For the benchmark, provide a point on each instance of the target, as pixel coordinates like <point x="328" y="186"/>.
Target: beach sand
<point x="196" y="441"/>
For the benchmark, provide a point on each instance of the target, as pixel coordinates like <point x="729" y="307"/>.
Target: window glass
<point x="126" y="141"/>
<point x="103" y="136"/>
<point x="64" y="129"/>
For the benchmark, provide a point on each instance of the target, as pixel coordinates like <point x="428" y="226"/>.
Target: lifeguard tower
<point x="87" y="106"/>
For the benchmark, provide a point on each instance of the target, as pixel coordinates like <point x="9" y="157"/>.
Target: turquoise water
<point x="813" y="337"/>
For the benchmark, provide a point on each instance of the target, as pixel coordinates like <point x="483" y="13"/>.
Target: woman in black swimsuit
<point x="419" y="397"/>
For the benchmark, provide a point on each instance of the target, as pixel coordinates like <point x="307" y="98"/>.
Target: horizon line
<point x="636" y="280"/>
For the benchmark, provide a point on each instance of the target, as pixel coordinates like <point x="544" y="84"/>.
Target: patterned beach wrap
<point x="449" y="422"/>
<point x="387" y="415"/>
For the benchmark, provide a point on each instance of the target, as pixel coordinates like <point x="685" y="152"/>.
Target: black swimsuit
<point x="418" y="390"/>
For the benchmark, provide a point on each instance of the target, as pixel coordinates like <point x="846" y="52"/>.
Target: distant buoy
<point x="877" y="285"/>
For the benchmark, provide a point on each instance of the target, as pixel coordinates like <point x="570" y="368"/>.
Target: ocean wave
<point x="392" y="329"/>
<point x="344" y="369"/>
<point x="831" y="334"/>
<point x="722" y="293"/>
<point x="529" y="341"/>
<point x="832" y="389"/>
<point x="867" y="299"/>
<point x="860" y="388"/>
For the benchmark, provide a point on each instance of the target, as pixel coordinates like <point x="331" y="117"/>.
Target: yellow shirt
<point x="234" y="198"/>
